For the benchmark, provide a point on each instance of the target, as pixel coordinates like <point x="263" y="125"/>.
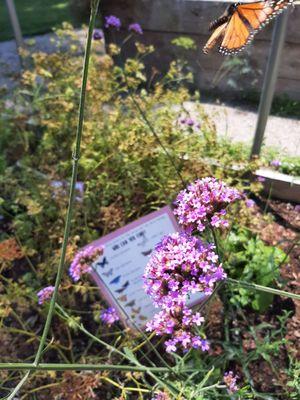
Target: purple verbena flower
<point x="261" y="179"/>
<point x="98" y="34"/>
<point x="189" y="122"/>
<point x="297" y="208"/>
<point x="180" y="265"/>
<point x="112" y="21"/>
<point x="109" y="316"/>
<point x="161" y="396"/>
<point x="45" y="294"/>
<point x="178" y="325"/>
<point x="230" y="381"/>
<point x="250" y="203"/>
<point x="136" y="28"/>
<point x="275" y="163"/>
<point x="204" y="203"/>
<point x="83" y="260"/>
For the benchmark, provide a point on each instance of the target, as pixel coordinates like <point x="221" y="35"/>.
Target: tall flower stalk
<point x="75" y="159"/>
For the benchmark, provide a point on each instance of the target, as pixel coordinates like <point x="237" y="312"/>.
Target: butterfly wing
<point x="246" y="20"/>
<point x="217" y="35"/>
<point x="236" y="36"/>
<point x="260" y="13"/>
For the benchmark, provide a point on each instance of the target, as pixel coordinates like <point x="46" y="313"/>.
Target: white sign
<point x="119" y="271"/>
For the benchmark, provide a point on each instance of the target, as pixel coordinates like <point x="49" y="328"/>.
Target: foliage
<point x="36" y="16"/>
<point x="250" y="259"/>
<point x="185" y="42"/>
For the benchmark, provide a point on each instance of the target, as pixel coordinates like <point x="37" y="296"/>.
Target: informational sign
<point x="119" y="271"/>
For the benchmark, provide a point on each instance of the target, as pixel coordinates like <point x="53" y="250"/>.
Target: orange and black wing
<point x="245" y="21"/>
<point x="237" y="35"/>
<point x="215" y="37"/>
<point x="258" y="14"/>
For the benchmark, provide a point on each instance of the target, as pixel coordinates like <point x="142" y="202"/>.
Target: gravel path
<point x="237" y="124"/>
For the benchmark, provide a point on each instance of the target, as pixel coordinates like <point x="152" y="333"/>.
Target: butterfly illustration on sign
<point x="130" y="304"/>
<point x="115" y="280"/>
<point x="101" y="263"/>
<point x="123" y="297"/>
<point x="126" y="284"/>
<point x="144" y="239"/>
<point x="147" y="252"/>
<point x="136" y="310"/>
<point x="240" y="22"/>
<point x="108" y="273"/>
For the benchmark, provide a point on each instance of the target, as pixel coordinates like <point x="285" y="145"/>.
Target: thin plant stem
<point x="18" y="387"/>
<point x="153" y="131"/>
<point x="75" y="158"/>
<point x="79" y="367"/>
<point x="260" y="288"/>
<point x="112" y="348"/>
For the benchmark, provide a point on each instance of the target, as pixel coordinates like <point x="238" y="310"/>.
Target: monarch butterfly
<point x="240" y="22"/>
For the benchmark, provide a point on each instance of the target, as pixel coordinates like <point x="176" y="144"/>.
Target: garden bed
<point x="138" y="153"/>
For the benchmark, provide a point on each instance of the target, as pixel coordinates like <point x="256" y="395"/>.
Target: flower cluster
<point x="204" y="204"/>
<point x="179" y="324"/>
<point x="161" y="396"/>
<point x="109" y="316"/>
<point x="275" y="163"/>
<point x="181" y="264"/>
<point x="83" y="260"/>
<point x="230" y="381"/>
<point x="136" y="28"/>
<point x="189" y="122"/>
<point x="250" y="203"/>
<point x="112" y="22"/>
<point x="45" y="294"/>
<point x="98" y="34"/>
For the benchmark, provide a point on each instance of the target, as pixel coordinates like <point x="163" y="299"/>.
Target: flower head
<point x="83" y="261"/>
<point x="261" y="179"/>
<point x="109" y="316"/>
<point x="98" y="34"/>
<point x="250" y="203"/>
<point x="112" y="21"/>
<point x="230" y="381"/>
<point x="45" y="294"/>
<point x="204" y="203"/>
<point x="180" y="265"/>
<point x="136" y="28"/>
<point x="189" y="122"/>
<point x="297" y="208"/>
<point x="161" y="396"/>
<point x="178" y="325"/>
<point x="275" y="163"/>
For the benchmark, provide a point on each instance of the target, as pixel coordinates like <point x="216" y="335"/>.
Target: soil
<point x="283" y="231"/>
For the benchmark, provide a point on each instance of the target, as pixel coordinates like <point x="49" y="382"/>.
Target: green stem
<point x="153" y="131"/>
<point x="79" y="367"/>
<point x="260" y="288"/>
<point x="75" y="157"/>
